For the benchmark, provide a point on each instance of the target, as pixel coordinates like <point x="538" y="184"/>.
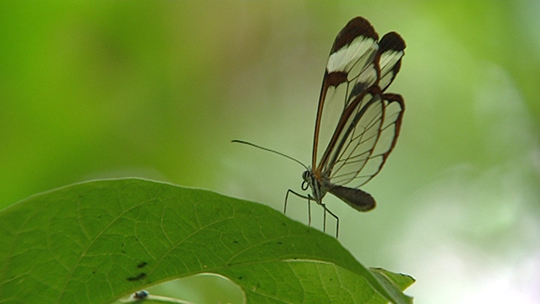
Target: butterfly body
<point x="356" y="198"/>
<point x="350" y="148"/>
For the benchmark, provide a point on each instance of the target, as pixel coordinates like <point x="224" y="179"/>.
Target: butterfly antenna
<point x="270" y="150"/>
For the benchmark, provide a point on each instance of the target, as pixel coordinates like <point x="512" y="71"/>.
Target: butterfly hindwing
<point x="368" y="141"/>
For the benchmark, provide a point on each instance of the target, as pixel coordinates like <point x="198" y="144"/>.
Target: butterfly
<point x="357" y="122"/>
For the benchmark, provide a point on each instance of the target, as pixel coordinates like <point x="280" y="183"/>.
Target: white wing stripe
<point x="387" y="62"/>
<point x="347" y="56"/>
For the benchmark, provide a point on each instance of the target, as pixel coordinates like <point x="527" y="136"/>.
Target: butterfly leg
<point x="309" y="210"/>
<point x="308" y="197"/>
<point x="326" y="210"/>
<point x="324" y="218"/>
<point x="287" y="199"/>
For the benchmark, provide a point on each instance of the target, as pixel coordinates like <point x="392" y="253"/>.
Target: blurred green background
<point x="157" y="89"/>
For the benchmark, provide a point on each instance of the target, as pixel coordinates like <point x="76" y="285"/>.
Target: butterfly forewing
<point x="349" y="71"/>
<point x="391" y="52"/>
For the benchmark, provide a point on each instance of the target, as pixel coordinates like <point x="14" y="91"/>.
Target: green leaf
<point x="98" y="241"/>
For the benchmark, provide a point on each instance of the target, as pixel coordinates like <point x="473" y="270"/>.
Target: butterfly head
<point x="311" y="181"/>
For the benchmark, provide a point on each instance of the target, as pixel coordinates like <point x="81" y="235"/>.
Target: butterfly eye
<point x="305" y="176"/>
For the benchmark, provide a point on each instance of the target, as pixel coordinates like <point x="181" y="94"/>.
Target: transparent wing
<point x="368" y="136"/>
<point x="368" y="130"/>
<point x="359" y="133"/>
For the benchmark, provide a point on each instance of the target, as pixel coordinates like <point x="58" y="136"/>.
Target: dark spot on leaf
<point x="94" y="272"/>
<point x="138" y="277"/>
<point x="141" y="264"/>
<point x="240" y="278"/>
<point x="235" y="242"/>
<point x="280" y="243"/>
<point x="141" y="295"/>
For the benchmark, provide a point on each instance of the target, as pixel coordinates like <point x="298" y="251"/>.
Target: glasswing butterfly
<point x="357" y="123"/>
